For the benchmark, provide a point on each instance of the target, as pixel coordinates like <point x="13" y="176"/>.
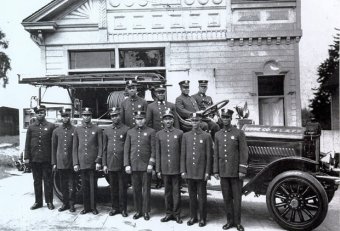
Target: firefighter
<point x="62" y="139"/>
<point x="195" y="168"/>
<point x="131" y="104"/>
<point x="139" y="159"/>
<point x="203" y="102"/>
<point x="168" y="154"/>
<point x="38" y="151"/>
<point x="156" y="110"/>
<point x="230" y="164"/>
<point x="87" y="148"/>
<point x="113" y="162"/>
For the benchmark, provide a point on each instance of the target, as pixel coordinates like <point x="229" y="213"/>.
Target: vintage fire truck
<point x="285" y="163"/>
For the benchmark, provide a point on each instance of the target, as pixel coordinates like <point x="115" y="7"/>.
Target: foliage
<point x="5" y="61"/>
<point x="321" y="103"/>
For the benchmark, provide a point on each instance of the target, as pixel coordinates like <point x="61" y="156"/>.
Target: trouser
<point x="42" y="172"/>
<point x="172" y="194"/>
<point x="118" y="190"/>
<point x="232" y="196"/>
<point x="141" y="183"/>
<point x="198" y="196"/>
<point x="67" y="186"/>
<point x="89" y="187"/>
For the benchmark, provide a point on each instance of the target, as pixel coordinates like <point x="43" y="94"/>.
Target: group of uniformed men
<point x="142" y="138"/>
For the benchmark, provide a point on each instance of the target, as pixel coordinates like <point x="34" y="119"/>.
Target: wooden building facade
<point x="247" y="49"/>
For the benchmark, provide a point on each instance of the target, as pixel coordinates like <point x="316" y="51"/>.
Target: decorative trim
<point x="85" y="11"/>
<point x="261" y="40"/>
<point x="169" y="36"/>
<point x="103" y="15"/>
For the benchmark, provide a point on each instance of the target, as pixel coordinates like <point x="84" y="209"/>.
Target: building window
<point x="271" y="100"/>
<point x="92" y="59"/>
<point x="131" y="58"/>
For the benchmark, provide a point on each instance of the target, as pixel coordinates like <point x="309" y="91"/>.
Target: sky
<point x="319" y="18"/>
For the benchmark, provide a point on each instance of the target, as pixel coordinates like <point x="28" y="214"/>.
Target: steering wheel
<point x="214" y="108"/>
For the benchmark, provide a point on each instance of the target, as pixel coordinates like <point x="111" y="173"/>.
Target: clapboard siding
<point x="55" y="60"/>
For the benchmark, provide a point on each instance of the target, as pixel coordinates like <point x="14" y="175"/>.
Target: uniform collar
<point x="44" y="122"/>
<point x="133" y="99"/>
<point x="161" y="102"/>
<point x="116" y="125"/>
<point x="185" y="95"/>
<point x="169" y="130"/>
<point x="140" y="128"/>
<point x="202" y="94"/>
<point x="227" y="129"/>
<point x="198" y="131"/>
<point x="68" y="125"/>
<point x="89" y="125"/>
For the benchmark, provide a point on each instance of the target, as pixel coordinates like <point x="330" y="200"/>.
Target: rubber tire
<point x="310" y="180"/>
<point x="57" y="191"/>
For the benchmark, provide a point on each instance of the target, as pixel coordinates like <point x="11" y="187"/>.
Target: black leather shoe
<point x="63" y="208"/>
<point x="167" y="218"/>
<point x="227" y="226"/>
<point x="72" y="209"/>
<point x="124" y="213"/>
<point x="50" y="206"/>
<point x="94" y="211"/>
<point x="84" y="211"/>
<point x="113" y="212"/>
<point x="36" y="206"/>
<point x="146" y="216"/>
<point x="239" y="227"/>
<point x="137" y="215"/>
<point x="179" y="220"/>
<point x="192" y="221"/>
<point x="202" y="223"/>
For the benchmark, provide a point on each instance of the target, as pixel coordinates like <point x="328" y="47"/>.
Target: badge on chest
<point x="201" y="141"/>
<point x="145" y="134"/>
<point x="175" y="136"/>
<point x="93" y="133"/>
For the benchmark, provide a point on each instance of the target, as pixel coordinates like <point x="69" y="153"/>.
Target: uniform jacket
<point x="168" y="151"/>
<point x="196" y="154"/>
<point x="129" y="106"/>
<point x="203" y="101"/>
<point x="186" y="105"/>
<point x="231" y="152"/>
<point x="155" y="112"/>
<point x="38" y="146"/>
<point x="87" y="146"/>
<point x="139" y="148"/>
<point x="62" y="139"/>
<point x="113" y="146"/>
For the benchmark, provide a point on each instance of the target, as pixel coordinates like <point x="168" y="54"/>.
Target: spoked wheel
<point x="57" y="188"/>
<point x="297" y="201"/>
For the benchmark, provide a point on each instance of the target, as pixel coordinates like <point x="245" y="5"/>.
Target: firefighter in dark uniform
<point x="62" y="139"/>
<point x="203" y="102"/>
<point x="87" y="152"/>
<point x="131" y="104"/>
<point x="156" y="110"/>
<point x="168" y="156"/>
<point x="230" y="164"/>
<point x="38" y="152"/>
<point x="139" y="159"/>
<point x="113" y="162"/>
<point x="195" y="168"/>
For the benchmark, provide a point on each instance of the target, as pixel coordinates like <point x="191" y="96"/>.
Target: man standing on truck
<point x="131" y="104"/>
<point x="38" y="150"/>
<point x="139" y="159"/>
<point x="113" y="162"/>
<point x="156" y="110"/>
<point x="87" y="152"/>
<point x="62" y="139"/>
<point x="195" y="168"/>
<point x="230" y="164"/>
<point x="168" y="156"/>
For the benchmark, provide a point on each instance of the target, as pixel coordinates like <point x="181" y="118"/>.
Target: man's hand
<point x="159" y="175"/>
<point x="26" y="161"/>
<point x="76" y="168"/>
<point x="128" y="169"/>
<point x="206" y="177"/>
<point x="105" y="169"/>
<point x="98" y="166"/>
<point x="183" y="175"/>
<point x="149" y="169"/>
<point x="54" y="168"/>
<point x="217" y="176"/>
<point x="241" y="175"/>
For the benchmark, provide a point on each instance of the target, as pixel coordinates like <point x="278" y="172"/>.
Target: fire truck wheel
<point x="57" y="189"/>
<point x="297" y="201"/>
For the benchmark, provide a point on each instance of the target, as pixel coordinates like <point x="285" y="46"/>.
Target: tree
<point x="5" y="61"/>
<point x="321" y="103"/>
